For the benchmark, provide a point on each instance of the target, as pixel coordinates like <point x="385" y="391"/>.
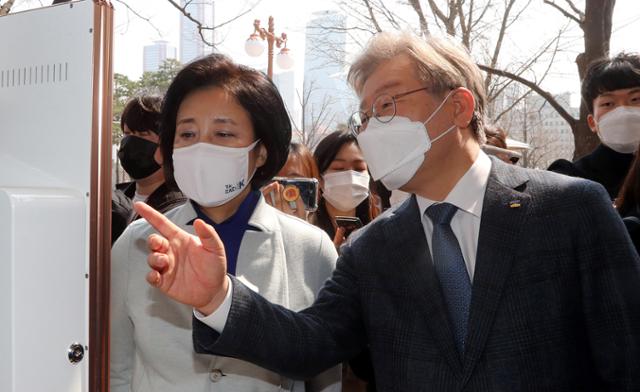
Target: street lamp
<point x="255" y="48"/>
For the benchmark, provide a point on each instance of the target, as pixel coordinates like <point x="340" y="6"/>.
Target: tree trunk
<point x="597" y="34"/>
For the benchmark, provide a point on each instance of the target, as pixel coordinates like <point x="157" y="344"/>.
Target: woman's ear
<point x="261" y="156"/>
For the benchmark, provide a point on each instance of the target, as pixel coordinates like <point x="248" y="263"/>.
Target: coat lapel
<point x="503" y="216"/>
<point x="409" y="243"/>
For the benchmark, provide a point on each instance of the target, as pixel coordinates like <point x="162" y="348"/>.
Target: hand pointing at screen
<point x="190" y="269"/>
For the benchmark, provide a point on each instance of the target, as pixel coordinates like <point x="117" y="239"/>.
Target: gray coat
<point x="555" y="303"/>
<point x="287" y="261"/>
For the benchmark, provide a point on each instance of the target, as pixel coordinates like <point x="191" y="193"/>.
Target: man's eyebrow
<point x="611" y="93"/>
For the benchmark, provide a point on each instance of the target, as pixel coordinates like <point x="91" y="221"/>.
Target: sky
<point x="537" y="26"/>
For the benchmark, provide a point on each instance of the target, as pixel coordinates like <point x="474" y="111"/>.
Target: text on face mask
<point x="229" y="188"/>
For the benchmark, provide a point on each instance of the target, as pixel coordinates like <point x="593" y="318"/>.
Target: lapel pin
<point x="514" y="204"/>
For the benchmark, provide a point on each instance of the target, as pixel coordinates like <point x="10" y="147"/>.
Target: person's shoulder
<point x="566" y="167"/>
<point x="294" y="226"/>
<point x="553" y="191"/>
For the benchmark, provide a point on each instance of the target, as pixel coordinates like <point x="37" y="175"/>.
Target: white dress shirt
<point x="467" y="195"/>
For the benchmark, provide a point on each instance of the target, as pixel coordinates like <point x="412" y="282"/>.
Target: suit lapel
<point x="503" y="216"/>
<point x="409" y="243"/>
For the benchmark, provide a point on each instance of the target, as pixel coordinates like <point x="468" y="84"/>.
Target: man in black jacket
<point x="140" y="157"/>
<point x="489" y="278"/>
<point x="611" y="89"/>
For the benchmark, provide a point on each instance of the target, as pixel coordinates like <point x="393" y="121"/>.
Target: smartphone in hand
<point x="305" y="188"/>
<point x="349" y="223"/>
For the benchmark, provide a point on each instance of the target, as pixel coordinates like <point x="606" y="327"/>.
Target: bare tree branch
<point x="543" y="93"/>
<point x="6" y="7"/>
<point x="372" y="16"/>
<point x="136" y="13"/>
<point x="564" y="12"/>
<point x="202" y="27"/>
<point x="498" y="46"/>
<point x="575" y="9"/>
<point x="424" y="28"/>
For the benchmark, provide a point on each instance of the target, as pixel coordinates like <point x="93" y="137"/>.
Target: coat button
<point x="215" y="375"/>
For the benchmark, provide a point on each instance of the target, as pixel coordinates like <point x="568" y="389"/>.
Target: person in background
<point x="345" y="184"/>
<point x="611" y="90"/>
<point x="121" y="213"/>
<point x="496" y="145"/>
<point x="300" y="164"/>
<point x="141" y="158"/>
<point x="628" y="202"/>
<point x="226" y="133"/>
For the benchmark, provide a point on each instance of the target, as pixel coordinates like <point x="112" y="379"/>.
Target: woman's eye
<point x="606" y="104"/>
<point x="186" y="134"/>
<point x="224" y="134"/>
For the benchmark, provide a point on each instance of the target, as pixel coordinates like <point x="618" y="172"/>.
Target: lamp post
<point x="255" y="48"/>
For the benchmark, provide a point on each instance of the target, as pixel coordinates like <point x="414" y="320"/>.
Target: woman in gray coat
<point x="225" y="134"/>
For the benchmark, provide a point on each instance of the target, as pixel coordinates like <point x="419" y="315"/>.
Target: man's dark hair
<point x="604" y="75"/>
<point x="252" y="89"/>
<point x="142" y="114"/>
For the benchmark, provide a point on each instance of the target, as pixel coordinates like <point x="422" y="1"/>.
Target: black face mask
<point x="136" y="157"/>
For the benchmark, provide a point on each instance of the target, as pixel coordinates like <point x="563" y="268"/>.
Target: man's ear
<point x="592" y="123"/>
<point x="261" y="157"/>
<point x="464" y="105"/>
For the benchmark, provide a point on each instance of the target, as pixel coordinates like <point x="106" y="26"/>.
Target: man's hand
<point x="189" y="269"/>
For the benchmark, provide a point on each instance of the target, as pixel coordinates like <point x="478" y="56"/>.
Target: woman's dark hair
<point x="325" y="153"/>
<point x="142" y="114"/>
<point x="628" y="200"/>
<point x="604" y="75"/>
<point x="496" y="136"/>
<point x="252" y="89"/>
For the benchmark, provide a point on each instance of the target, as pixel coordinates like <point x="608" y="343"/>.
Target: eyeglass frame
<point x="352" y="127"/>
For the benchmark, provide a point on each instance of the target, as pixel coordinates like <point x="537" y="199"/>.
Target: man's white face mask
<point x="395" y="150"/>
<point x="619" y="129"/>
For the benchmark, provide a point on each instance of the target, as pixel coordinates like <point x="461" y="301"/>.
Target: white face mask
<point x="345" y="190"/>
<point x="211" y="175"/>
<point x="620" y="129"/>
<point x="395" y="150"/>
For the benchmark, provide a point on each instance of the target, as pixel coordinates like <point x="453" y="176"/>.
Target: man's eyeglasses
<point x="383" y="110"/>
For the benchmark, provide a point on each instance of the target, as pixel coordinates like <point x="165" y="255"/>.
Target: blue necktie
<point x="451" y="269"/>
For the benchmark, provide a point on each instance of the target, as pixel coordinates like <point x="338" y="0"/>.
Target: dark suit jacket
<point x="555" y="303"/>
<point x="603" y="165"/>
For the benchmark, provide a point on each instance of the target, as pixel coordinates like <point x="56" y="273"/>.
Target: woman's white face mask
<point x="211" y="175"/>
<point x="345" y="190"/>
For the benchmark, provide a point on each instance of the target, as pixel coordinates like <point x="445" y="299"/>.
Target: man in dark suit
<point x="489" y="278"/>
<point x="611" y="89"/>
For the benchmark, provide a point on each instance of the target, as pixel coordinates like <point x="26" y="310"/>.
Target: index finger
<point x="157" y="220"/>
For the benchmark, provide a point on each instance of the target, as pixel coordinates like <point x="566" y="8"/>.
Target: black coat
<point x="555" y="303"/>
<point x="604" y="166"/>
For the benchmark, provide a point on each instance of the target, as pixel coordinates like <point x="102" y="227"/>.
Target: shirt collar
<point x="468" y="193"/>
<point x="240" y="218"/>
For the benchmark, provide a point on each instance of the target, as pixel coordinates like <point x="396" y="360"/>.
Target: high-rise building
<point x="329" y="101"/>
<point x="541" y="126"/>
<point x="192" y="45"/>
<point x="156" y="54"/>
